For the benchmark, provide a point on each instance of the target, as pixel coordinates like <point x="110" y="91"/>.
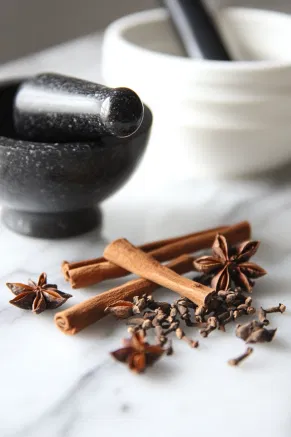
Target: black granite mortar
<point x="51" y="190"/>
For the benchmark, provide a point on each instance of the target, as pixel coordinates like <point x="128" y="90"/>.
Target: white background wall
<point x="30" y="25"/>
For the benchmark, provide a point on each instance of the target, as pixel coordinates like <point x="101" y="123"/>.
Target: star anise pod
<point x="230" y="265"/>
<point x="37" y="297"/>
<point x="137" y="353"/>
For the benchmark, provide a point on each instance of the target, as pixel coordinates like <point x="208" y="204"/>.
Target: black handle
<point x="196" y="29"/>
<point x="52" y="107"/>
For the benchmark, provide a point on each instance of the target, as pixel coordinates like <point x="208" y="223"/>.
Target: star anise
<point x="37" y="297"/>
<point x="137" y="353"/>
<point x="230" y="265"/>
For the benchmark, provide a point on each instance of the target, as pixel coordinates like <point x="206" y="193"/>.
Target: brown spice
<point x="227" y="267"/>
<point x="240" y="358"/>
<point x="67" y="268"/>
<point x="120" y="309"/>
<point x="137" y="353"/>
<point x="211" y="326"/>
<point x="78" y="317"/>
<point x="262" y="313"/>
<point x="281" y="308"/>
<point x="74" y="319"/>
<point x="85" y="273"/>
<point x="245" y="330"/>
<point x="125" y="255"/>
<point x="254" y="332"/>
<point x="37" y="297"/>
<point x="262" y="335"/>
<point x="182" y="336"/>
<point x="262" y="316"/>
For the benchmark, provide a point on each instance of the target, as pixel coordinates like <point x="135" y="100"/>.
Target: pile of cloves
<point x="233" y="276"/>
<point x="144" y="314"/>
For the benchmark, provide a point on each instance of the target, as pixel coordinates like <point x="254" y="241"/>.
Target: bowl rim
<point x="117" y="29"/>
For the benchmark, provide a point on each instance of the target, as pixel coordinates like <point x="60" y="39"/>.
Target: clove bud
<point x="160" y="336"/>
<point x="135" y="321"/>
<point x="182" y="336"/>
<point x="262" y="316"/>
<point x="240" y="358"/>
<point x="211" y="326"/>
<point x="281" y="308"/>
<point x="169" y="349"/>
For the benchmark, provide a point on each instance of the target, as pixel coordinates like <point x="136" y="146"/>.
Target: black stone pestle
<point x="196" y="30"/>
<point x="55" y="108"/>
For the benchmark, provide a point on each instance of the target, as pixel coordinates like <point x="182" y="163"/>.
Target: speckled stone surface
<point x="55" y="178"/>
<point x="53" y="107"/>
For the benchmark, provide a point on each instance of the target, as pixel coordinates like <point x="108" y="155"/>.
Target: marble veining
<point x="54" y="385"/>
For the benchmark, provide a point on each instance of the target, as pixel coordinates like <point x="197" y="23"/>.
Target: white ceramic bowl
<point x="210" y="118"/>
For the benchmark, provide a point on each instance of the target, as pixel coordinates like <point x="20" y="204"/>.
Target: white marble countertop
<point x="54" y="385"/>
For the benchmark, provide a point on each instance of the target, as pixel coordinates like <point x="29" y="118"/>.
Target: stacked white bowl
<point x="211" y="119"/>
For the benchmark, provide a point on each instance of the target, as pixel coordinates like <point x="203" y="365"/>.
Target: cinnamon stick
<point x="67" y="268"/>
<point x="74" y="319"/>
<point x="124" y="254"/>
<point x="91" y="272"/>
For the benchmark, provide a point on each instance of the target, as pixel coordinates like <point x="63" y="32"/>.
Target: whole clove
<point x="182" y="336"/>
<point x="229" y="319"/>
<point x="281" y="308"/>
<point x="248" y="301"/>
<point x="238" y="313"/>
<point x="163" y="306"/>
<point x="139" y="304"/>
<point x="225" y="306"/>
<point x="135" y="321"/>
<point x="200" y="314"/>
<point x="160" y="336"/>
<point x="173" y="326"/>
<point x="250" y="310"/>
<point x="149" y="315"/>
<point x="262" y="313"/>
<point x="262" y="316"/>
<point x="146" y="325"/>
<point x="173" y="311"/>
<point x="211" y="326"/>
<point x="169" y="350"/>
<point x="240" y="358"/>
<point x="183" y="307"/>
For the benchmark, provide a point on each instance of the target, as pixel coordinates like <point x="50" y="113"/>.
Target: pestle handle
<point x="52" y="107"/>
<point x="196" y="29"/>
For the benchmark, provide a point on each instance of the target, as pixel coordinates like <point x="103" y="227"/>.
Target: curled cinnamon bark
<point x="124" y="254"/>
<point x="86" y="273"/>
<point x="74" y="319"/>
